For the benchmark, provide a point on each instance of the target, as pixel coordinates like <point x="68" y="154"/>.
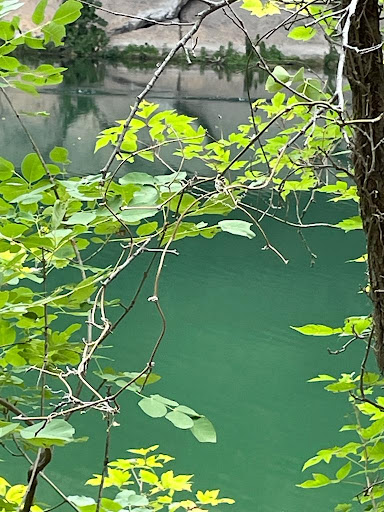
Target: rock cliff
<point x="136" y="24"/>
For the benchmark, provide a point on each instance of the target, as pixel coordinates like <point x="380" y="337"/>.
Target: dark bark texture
<point x="365" y="73"/>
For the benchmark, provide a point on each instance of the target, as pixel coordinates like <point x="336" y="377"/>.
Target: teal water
<point x="228" y="352"/>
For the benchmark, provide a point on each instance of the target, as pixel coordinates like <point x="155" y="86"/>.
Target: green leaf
<point x="376" y="452"/>
<point x="128" y="498"/>
<point x="123" y="497"/>
<point x="34" y="42"/>
<point x="81" y="501"/>
<point x="54" y="32"/>
<point x="83" y="218"/>
<point x="6" y="169"/>
<point x="152" y="407"/>
<point x="271" y="85"/>
<point x="187" y="410"/>
<point x="302" y="33"/>
<point x="260" y="9"/>
<point x="108" y="505"/>
<point x="147" y="228"/>
<point x="165" y="400"/>
<point x="312" y="462"/>
<point x="317" y="330"/>
<point x="322" y="378"/>
<point x="147" y="379"/>
<point x="180" y="420"/>
<point x="39" y="12"/>
<point x="311" y="88"/>
<point x="350" y="224"/>
<point x="361" y="259"/>
<point x="280" y="74"/>
<point x="343" y="507"/>
<point x="7" y="6"/>
<point x="4" y="295"/>
<point x="148" y="477"/>
<point x="344" y="471"/>
<point x="13" y="357"/>
<point x="137" y="178"/>
<point x="7" y="429"/>
<point x="12" y="230"/>
<point x="376" y="427"/>
<point x="319" y="480"/>
<point x="68" y="12"/>
<point x="59" y="155"/>
<point x="146" y="196"/>
<point x="9" y="63"/>
<point x="58" y="213"/>
<point x="346" y="428"/>
<point x="183" y="203"/>
<point x="7" y="31"/>
<point x="340" y="387"/>
<point x="204" y="431"/>
<point x="30" y="89"/>
<point x="7" y="333"/>
<point x="136" y="214"/>
<point x="237" y="227"/>
<point x="32" y="168"/>
<point x="56" y="432"/>
<point x="298" y="76"/>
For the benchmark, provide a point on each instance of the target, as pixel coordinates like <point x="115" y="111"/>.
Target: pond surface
<point x="229" y="352"/>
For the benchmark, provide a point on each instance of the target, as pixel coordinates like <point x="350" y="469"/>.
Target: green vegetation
<point x="57" y="307"/>
<point x="86" y="37"/>
<point x="134" y="484"/>
<point x="146" y="56"/>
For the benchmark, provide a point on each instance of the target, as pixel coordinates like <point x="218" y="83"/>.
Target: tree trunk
<point x="365" y="73"/>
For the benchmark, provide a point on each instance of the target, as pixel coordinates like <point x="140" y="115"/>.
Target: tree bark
<point x="365" y="73"/>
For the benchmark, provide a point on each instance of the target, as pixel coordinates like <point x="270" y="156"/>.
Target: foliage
<point x="270" y="54"/>
<point x="137" y="486"/>
<point x="362" y="458"/>
<point x="154" y="491"/>
<point x="86" y="37"/>
<point x="20" y="76"/>
<point x="54" y="225"/>
<point x="133" y="55"/>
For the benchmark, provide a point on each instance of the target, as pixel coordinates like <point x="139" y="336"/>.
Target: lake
<point x="229" y="352"/>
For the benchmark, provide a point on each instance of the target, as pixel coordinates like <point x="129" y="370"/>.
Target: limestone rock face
<point x="138" y="26"/>
<point x="148" y="10"/>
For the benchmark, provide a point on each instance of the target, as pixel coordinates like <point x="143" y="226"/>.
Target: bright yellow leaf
<point x="165" y="458"/>
<point x="97" y="481"/>
<point x="3" y="486"/>
<point x="123" y="464"/>
<point x="176" y="483"/>
<point x="148" y="477"/>
<point x="211" y="498"/>
<point x="117" y="477"/>
<point x="257" y="8"/>
<point x="36" y="508"/>
<point x="15" y="494"/>
<point x="144" y="451"/>
<point x="153" y="462"/>
<point x="164" y="499"/>
<point x="188" y="504"/>
<point x="207" y="496"/>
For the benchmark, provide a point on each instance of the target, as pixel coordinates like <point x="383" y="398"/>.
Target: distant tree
<point x="86" y="37"/>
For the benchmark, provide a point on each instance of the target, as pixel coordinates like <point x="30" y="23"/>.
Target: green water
<point x="228" y="352"/>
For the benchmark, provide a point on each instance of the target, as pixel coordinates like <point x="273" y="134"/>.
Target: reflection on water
<point x="228" y="351"/>
<point x="87" y="103"/>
